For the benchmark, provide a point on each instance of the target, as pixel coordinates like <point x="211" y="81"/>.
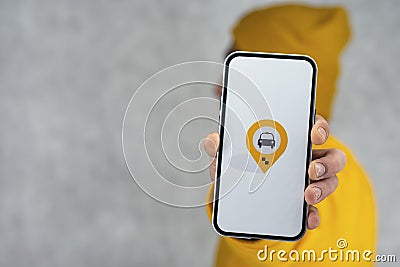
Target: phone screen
<point x="267" y="111"/>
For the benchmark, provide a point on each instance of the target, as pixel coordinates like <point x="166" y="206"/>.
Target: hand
<point x="325" y="164"/>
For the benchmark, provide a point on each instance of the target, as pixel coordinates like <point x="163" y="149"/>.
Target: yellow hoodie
<point x="348" y="228"/>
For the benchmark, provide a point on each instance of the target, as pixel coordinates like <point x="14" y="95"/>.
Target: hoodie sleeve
<point x="347" y="216"/>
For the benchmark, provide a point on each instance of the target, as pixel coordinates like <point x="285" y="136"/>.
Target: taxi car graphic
<point x="266" y="139"/>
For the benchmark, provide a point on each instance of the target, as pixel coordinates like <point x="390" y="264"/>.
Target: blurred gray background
<point x="67" y="72"/>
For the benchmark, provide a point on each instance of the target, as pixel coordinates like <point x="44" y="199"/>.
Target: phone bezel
<point x="221" y="132"/>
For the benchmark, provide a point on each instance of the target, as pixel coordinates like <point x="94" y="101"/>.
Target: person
<point x="341" y="218"/>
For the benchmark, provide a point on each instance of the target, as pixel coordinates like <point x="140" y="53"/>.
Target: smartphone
<point x="266" y="115"/>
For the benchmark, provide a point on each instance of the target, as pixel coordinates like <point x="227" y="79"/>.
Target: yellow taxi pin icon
<point x="263" y="143"/>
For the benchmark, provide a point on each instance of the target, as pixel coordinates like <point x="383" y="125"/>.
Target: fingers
<point x="211" y="144"/>
<point x="320" y="131"/>
<point x="322" y="170"/>
<point x="213" y="169"/>
<point x="218" y="90"/>
<point x="313" y="218"/>
<point x="326" y="163"/>
<point x="318" y="191"/>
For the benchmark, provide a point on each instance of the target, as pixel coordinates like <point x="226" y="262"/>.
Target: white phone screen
<point x="267" y="111"/>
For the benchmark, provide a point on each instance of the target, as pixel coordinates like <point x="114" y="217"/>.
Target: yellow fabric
<point x="349" y="213"/>
<point x="320" y="33"/>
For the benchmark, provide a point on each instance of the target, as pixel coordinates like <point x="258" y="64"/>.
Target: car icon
<point x="266" y="139"/>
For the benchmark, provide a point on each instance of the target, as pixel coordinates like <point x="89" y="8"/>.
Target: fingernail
<point x="319" y="169"/>
<point x="317" y="192"/>
<point x="322" y="132"/>
<point x="317" y="222"/>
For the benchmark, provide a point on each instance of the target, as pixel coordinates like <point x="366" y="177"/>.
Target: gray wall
<point x="67" y="72"/>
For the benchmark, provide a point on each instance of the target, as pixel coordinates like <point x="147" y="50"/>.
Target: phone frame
<point x="221" y="132"/>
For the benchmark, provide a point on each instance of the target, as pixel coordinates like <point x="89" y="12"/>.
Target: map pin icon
<point x="265" y="148"/>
